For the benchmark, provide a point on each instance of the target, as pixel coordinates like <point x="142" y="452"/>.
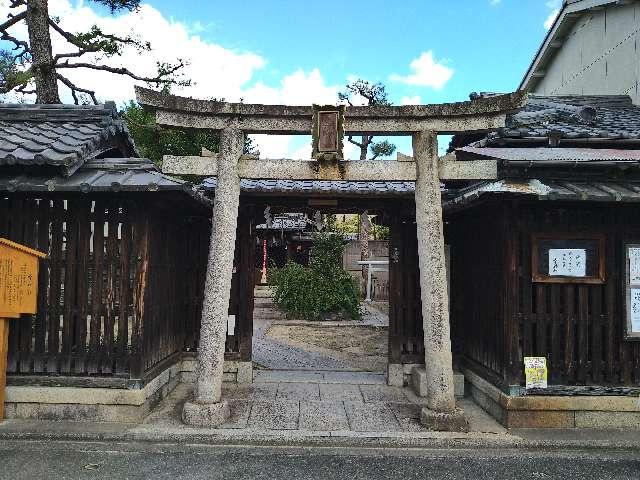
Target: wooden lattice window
<point x="567" y="258"/>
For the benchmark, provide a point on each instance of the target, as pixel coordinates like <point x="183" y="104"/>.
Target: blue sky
<point x="488" y="45"/>
<point x="304" y="51"/>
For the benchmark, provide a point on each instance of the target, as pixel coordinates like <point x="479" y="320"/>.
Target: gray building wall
<point x="600" y="55"/>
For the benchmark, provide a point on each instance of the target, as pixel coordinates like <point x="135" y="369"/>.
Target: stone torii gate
<point x="328" y="125"/>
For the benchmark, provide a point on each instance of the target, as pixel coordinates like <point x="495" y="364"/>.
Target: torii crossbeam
<point x="422" y="122"/>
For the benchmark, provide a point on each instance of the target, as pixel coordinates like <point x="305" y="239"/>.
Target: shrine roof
<point x="543" y="189"/>
<point x="321" y="187"/>
<point x="60" y="137"/>
<point x="102" y="175"/>
<point x="565" y="121"/>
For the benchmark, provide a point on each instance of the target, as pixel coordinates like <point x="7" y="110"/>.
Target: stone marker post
<point x="441" y="413"/>
<point x="207" y="408"/>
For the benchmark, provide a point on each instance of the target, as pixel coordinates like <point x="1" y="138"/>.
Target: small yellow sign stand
<point x="18" y="295"/>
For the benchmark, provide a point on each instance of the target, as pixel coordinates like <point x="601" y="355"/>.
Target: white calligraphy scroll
<point x="634" y="307"/>
<point x="634" y="265"/>
<point x="567" y="262"/>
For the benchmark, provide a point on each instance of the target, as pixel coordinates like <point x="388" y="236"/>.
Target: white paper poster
<point x="634" y="307"/>
<point x="231" y="325"/>
<point x="634" y="265"/>
<point x="567" y="262"/>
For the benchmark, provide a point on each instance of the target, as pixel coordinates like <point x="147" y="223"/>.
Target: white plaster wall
<point x="600" y="56"/>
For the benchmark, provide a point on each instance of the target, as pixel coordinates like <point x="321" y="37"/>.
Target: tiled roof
<point x="321" y="187"/>
<point x="603" y="191"/>
<point x="536" y="155"/>
<point x="60" y="136"/>
<point x="571" y="117"/>
<point x="102" y="175"/>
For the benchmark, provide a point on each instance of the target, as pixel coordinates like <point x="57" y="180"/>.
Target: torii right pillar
<point x="441" y="412"/>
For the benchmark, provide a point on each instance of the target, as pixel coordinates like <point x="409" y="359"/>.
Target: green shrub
<point x="323" y="288"/>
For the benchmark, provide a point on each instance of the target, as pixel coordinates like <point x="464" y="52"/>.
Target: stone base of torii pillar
<point x="441" y="412"/>
<point x="208" y="409"/>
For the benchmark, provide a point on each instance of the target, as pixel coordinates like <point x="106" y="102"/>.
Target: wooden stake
<point x="4" y="350"/>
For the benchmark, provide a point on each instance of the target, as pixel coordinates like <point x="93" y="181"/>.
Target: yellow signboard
<point x="18" y="279"/>
<point x="18" y="294"/>
<point x="535" y="372"/>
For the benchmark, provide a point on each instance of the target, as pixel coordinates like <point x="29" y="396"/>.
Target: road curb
<point x="362" y="440"/>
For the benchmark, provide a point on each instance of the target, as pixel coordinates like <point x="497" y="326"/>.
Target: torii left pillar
<point x="208" y="409"/>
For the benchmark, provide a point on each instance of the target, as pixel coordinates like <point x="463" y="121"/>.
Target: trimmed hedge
<point x="322" y="289"/>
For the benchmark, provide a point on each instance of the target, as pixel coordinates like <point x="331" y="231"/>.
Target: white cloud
<point x="215" y="71"/>
<point x="415" y="100"/>
<point x="494" y="2"/>
<point x="427" y="72"/>
<point x="554" y="5"/>
<point x="551" y="18"/>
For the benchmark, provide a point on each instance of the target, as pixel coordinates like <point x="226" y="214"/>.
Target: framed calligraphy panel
<point x="567" y="259"/>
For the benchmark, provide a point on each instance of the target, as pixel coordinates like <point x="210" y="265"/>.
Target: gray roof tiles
<point x="320" y="187"/>
<point x="102" y="175"/>
<point x="59" y="136"/>
<point x="616" y="118"/>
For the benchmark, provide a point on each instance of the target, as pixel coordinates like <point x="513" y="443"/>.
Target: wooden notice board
<point x="18" y="295"/>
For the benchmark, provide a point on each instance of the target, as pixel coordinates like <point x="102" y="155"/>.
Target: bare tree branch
<point x="75" y="89"/>
<point x="351" y="140"/>
<point x="124" y="71"/>
<point x="13" y="19"/>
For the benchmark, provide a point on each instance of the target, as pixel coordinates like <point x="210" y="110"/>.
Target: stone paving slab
<point x="340" y="392"/>
<point x="383" y="393"/>
<point x="298" y="391"/>
<point x="290" y="376"/>
<point x="281" y="415"/>
<point x="358" y="378"/>
<point x="371" y="417"/>
<point x="257" y="391"/>
<point x="408" y="416"/>
<point x="240" y="410"/>
<point x="323" y="416"/>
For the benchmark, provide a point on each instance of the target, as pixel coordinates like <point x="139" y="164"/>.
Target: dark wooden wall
<point x="406" y="339"/>
<point x="500" y="315"/>
<point x="114" y="294"/>
<point x="477" y="270"/>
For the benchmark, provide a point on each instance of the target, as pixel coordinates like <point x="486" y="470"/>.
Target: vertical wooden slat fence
<point x="117" y="291"/>
<point x="579" y="327"/>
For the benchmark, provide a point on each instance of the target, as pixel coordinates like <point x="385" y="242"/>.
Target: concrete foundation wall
<point x="108" y="404"/>
<point x="542" y="411"/>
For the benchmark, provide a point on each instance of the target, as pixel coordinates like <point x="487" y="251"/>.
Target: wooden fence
<point x="500" y="315"/>
<point x="117" y="290"/>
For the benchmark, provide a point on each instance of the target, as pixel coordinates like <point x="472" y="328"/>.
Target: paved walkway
<point x="310" y="403"/>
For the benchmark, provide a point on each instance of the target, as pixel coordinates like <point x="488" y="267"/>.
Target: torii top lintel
<point x="477" y="115"/>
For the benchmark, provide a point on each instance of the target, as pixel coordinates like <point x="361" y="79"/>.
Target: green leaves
<point x="321" y="289"/>
<point x="115" y="5"/>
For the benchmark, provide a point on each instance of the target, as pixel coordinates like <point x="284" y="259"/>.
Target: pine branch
<point x="171" y="69"/>
<point x="75" y="89"/>
<point x="96" y="41"/>
<point x="13" y="19"/>
<point x="351" y="140"/>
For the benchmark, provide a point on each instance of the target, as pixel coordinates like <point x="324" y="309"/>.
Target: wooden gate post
<point x="18" y="295"/>
<point x="207" y="408"/>
<point x="441" y="413"/>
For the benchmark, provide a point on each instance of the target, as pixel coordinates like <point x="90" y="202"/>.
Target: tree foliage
<point x="31" y="67"/>
<point x="154" y="142"/>
<point x="374" y="94"/>
<point x="321" y="289"/>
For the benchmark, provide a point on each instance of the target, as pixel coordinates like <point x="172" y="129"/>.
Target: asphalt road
<point x="69" y="460"/>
